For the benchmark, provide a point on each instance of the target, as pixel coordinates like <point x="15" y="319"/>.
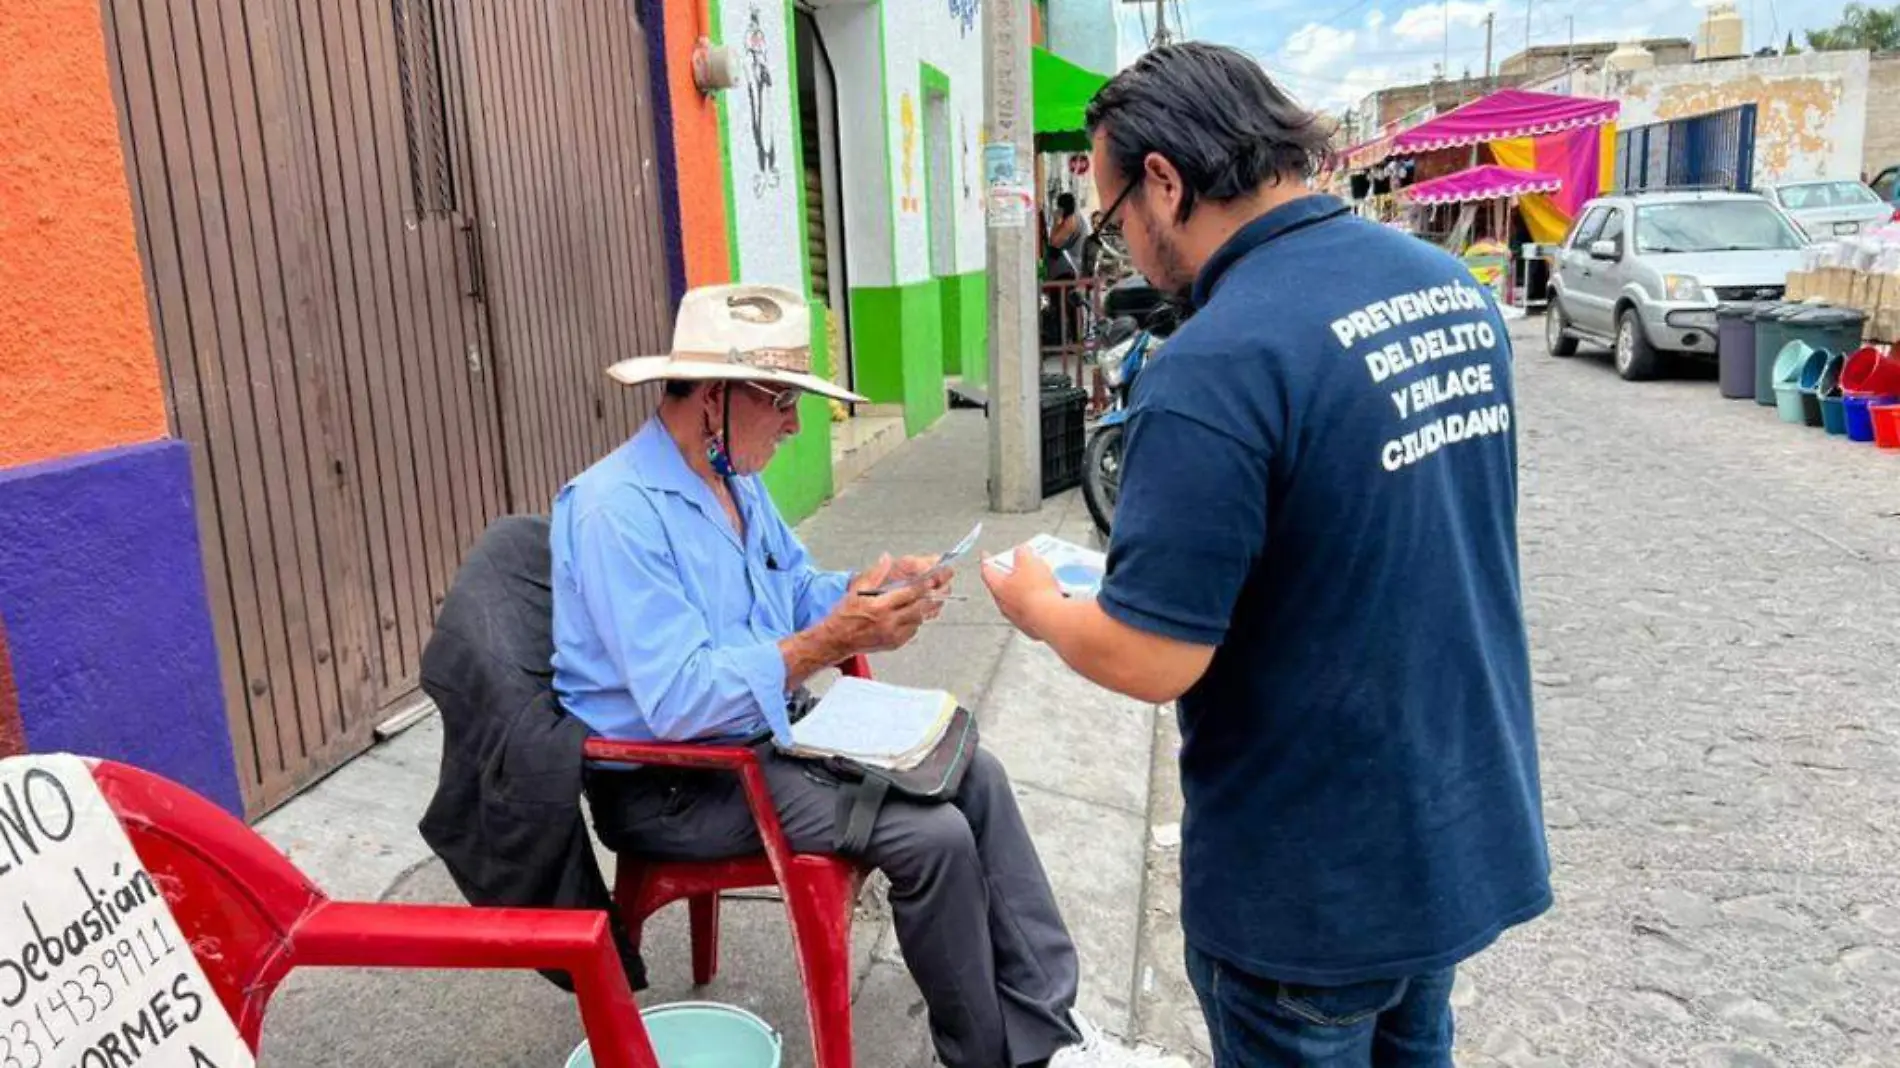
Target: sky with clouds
<point x="1331" y="53"/>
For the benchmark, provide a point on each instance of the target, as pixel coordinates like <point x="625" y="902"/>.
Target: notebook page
<point x="873" y="720"/>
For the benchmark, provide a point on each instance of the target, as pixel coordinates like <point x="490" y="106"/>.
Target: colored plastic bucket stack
<point x="1828" y="392"/>
<point x="1735" y="348"/>
<point x="1870" y="379"/>
<point x="702" y="1034"/>
<point x="1810" y="384"/>
<point x="1871" y="370"/>
<point x="1856" y="414"/>
<point x="1787" y="378"/>
<point x="1886" y="419"/>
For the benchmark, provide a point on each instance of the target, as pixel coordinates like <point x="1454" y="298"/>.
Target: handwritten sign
<point x="94" y="972"/>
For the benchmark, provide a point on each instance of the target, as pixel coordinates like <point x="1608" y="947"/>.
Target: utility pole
<point x="1161" y="25"/>
<point x="1528" y="4"/>
<point x="1444" y="68"/>
<point x="1490" y="23"/>
<point x="1015" y="386"/>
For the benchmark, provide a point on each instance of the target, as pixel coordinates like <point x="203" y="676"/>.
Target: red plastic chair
<point x="819" y="890"/>
<point x="251" y="917"/>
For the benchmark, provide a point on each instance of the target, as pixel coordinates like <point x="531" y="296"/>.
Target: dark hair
<point x="1213" y="113"/>
<point x="680" y="388"/>
<point x="1065" y="203"/>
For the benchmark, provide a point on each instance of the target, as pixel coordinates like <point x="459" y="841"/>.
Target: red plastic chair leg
<point x="703" y="913"/>
<point x="819" y="900"/>
<point x="615" y="1034"/>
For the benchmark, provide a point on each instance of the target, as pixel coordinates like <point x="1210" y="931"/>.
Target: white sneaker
<point x="1097" y="1050"/>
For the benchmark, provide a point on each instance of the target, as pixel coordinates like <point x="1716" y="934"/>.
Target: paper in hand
<point x="945" y="562"/>
<point x="1078" y="571"/>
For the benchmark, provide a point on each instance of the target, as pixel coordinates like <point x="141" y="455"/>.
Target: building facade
<point x="300" y="297"/>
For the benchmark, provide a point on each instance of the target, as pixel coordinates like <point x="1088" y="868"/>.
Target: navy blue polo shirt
<point x="1320" y="479"/>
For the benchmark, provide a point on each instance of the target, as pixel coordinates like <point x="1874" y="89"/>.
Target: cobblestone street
<point x="1713" y="599"/>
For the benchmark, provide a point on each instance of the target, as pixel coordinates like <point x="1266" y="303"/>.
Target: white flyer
<point x="946" y="561"/>
<point x="1078" y="571"/>
<point x="93" y="967"/>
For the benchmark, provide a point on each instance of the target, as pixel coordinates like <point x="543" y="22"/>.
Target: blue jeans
<point x="1261" y="1023"/>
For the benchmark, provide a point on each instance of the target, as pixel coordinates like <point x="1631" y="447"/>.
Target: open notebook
<point x="874" y="723"/>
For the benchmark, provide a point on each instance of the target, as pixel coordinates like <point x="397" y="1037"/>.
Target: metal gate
<point x="388" y="248"/>
<point x="571" y="239"/>
<point x="1715" y="150"/>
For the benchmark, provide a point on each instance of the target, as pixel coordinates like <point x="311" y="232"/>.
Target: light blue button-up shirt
<point x="666" y="626"/>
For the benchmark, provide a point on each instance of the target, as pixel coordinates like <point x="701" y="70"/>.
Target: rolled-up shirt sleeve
<point x="684" y="687"/>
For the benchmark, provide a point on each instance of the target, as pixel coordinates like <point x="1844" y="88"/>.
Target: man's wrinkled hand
<point x="1022" y="592"/>
<point x="909" y="567"/>
<point x="868" y="622"/>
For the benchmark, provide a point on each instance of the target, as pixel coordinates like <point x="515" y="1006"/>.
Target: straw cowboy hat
<point x="737" y="334"/>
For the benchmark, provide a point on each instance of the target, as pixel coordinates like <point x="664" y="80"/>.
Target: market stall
<point x="1570" y="137"/>
<point x="1487" y="201"/>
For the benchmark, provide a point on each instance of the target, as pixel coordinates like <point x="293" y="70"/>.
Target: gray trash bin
<point x="1770" y="336"/>
<point x="1735" y="348"/>
<point x="1838" y="330"/>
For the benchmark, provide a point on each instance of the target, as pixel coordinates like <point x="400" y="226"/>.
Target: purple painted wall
<point x="102" y="590"/>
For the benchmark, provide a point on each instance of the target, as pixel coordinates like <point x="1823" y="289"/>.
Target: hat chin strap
<point x="718" y="450"/>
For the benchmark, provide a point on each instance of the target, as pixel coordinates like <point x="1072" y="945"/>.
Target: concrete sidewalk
<point x="1094" y="773"/>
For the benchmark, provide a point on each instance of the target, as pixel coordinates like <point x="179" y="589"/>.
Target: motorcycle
<point x="1140" y="319"/>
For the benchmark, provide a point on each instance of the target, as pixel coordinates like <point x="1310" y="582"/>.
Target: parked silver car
<point x="1831" y="208"/>
<point x="1643" y="272"/>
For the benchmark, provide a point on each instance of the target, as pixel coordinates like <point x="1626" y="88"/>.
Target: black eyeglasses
<point x="783" y="400"/>
<point x="1108" y="216"/>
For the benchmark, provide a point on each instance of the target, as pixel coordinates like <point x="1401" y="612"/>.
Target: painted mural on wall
<point x="963" y="168"/>
<point x="760" y="146"/>
<point x="964" y="13"/>
<point x="907" y="121"/>
<point x="934" y="34"/>
<point x="758" y="85"/>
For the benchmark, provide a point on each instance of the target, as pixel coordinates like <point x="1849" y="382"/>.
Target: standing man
<point x="1315" y="553"/>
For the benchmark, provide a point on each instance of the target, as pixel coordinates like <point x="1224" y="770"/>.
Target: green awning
<point x="1063" y="91"/>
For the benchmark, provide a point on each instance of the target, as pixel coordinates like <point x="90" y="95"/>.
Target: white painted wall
<point x="1811" y="110"/>
<point x="947" y="34"/>
<point x="877" y="51"/>
<point x="762" y="143"/>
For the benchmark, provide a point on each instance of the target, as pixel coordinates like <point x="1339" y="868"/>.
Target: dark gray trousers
<point x="975" y="917"/>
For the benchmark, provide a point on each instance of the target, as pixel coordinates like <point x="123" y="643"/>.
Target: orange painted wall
<point x="702" y="180"/>
<point x="77" y="368"/>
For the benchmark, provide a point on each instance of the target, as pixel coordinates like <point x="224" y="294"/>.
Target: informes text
<point x="94" y="971"/>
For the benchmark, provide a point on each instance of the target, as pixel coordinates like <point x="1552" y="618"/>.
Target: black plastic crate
<point x="1064" y="437"/>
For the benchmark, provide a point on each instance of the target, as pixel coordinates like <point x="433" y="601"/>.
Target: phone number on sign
<point x="47" y="1024"/>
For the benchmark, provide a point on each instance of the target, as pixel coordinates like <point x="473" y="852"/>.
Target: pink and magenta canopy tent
<point x="1489" y="182"/>
<point x="1502" y="116"/>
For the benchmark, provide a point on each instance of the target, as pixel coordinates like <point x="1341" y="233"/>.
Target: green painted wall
<point x="966" y="349"/>
<point x="898" y="337"/>
<point x="799" y="477"/>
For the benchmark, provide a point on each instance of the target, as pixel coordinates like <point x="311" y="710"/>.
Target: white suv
<point x="1643" y="272"/>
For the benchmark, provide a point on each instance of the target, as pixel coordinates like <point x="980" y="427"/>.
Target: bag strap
<point x="858" y="806"/>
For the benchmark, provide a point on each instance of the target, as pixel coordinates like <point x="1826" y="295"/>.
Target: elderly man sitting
<point x="686" y="610"/>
